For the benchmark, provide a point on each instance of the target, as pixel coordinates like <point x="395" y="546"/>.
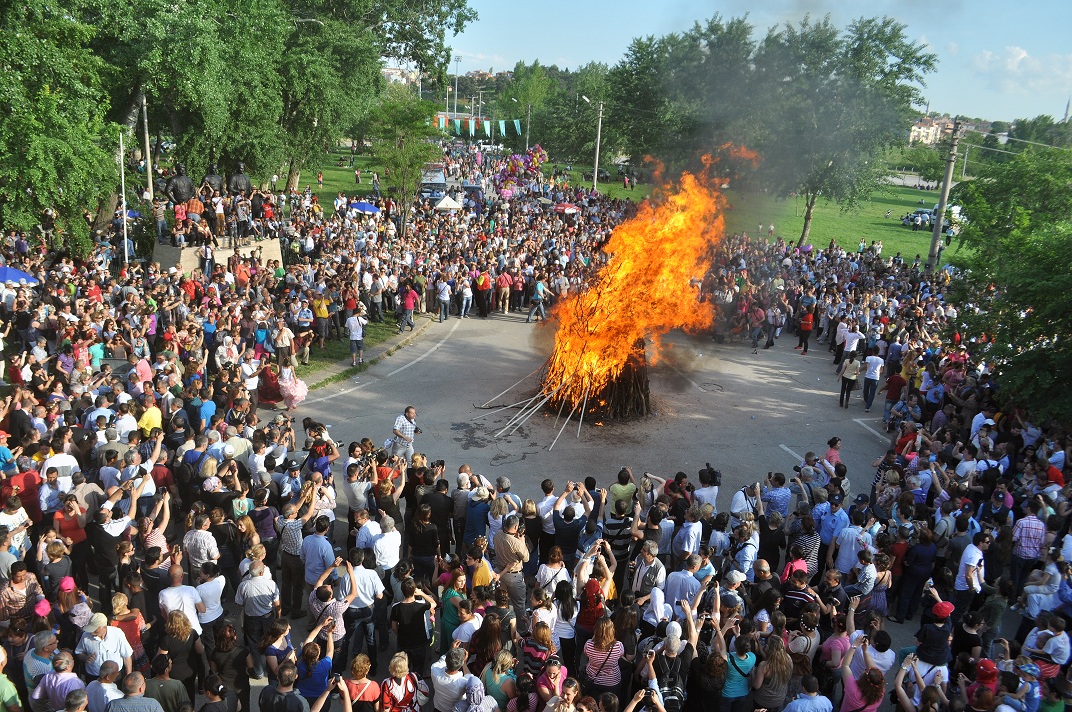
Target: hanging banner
<point x="502" y="128"/>
<point x="458" y="126"/>
<point x="487" y="128"/>
<point x="472" y="127"/>
<point x="517" y="126"/>
<point x="442" y="123"/>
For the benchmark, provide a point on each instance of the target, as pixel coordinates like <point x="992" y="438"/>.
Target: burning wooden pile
<point x="609" y="333"/>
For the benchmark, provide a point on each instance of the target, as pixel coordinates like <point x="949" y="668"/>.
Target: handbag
<point x="582" y="673"/>
<point x="422" y="696"/>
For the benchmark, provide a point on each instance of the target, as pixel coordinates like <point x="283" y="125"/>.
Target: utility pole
<point x="148" y="150"/>
<point x="939" y="218"/>
<point x="457" y="61"/>
<point x="123" y="195"/>
<point x="599" y="132"/>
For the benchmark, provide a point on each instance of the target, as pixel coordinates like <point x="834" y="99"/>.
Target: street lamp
<point x="599" y="133"/>
<point x="528" y="118"/>
<point x="457" y="61"/>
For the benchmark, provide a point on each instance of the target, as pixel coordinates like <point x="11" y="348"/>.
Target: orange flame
<point x="643" y="291"/>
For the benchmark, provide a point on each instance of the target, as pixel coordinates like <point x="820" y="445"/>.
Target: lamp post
<point x="457" y="61"/>
<point x="599" y="134"/>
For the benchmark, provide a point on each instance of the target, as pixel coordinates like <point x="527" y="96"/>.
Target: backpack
<point x="672" y="690"/>
<point x="942" y="539"/>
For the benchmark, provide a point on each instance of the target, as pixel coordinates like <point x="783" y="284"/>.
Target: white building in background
<point x="929" y="131"/>
<point x="398" y="75"/>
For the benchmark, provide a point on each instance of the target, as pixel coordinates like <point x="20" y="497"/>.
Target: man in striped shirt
<point x="1027" y="537"/>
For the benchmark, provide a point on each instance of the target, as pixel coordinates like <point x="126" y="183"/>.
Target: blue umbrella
<point x="363" y="207"/>
<point x="10" y="274"/>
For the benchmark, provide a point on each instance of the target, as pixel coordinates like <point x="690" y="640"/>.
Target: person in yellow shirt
<point x="323" y="316"/>
<point x="151" y="418"/>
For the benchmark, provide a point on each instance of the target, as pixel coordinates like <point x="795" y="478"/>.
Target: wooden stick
<point x="580" y="418"/>
<point x="512" y="388"/>
<point x="562" y="429"/>
<point x="517" y="416"/>
<point x="506" y="407"/>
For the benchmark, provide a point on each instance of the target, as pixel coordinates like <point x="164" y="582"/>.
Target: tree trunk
<point x="293" y="175"/>
<point x="107" y="207"/>
<point x="809" y="209"/>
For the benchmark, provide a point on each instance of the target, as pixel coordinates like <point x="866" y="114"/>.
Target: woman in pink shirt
<point x="864" y="694"/>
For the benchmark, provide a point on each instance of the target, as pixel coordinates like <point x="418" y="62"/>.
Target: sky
<point x="995" y="60"/>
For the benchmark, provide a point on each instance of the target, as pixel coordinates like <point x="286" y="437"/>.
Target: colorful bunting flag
<point x="487" y="128"/>
<point x="517" y="126"/>
<point x="472" y="127"/>
<point x="502" y="128"/>
<point x="442" y="123"/>
<point x="458" y="126"/>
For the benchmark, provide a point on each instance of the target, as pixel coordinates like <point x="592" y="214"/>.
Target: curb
<point x="339" y="372"/>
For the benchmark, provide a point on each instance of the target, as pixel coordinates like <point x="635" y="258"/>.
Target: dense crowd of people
<point x="158" y="539"/>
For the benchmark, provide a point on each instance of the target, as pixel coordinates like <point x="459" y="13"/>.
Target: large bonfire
<point x="608" y="333"/>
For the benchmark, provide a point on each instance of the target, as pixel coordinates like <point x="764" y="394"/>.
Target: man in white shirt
<point x="449" y="678"/>
<point x="65" y="466"/>
<point x="101" y="642"/>
<point x="358" y="618"/>
<point x="873" y="365"/>
<point x="546" y="509"/>
<point x="179" y="597"/>
<point x="355" y="328"/>
<point x="103" y="690"/>
<point x="970" y="575"/>
<point x="708" y="491"/>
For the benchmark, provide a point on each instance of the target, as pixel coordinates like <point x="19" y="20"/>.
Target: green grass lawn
<point x="745" y="212"/>
<point x="338" y="352"/>
<point x="338" y="179"/>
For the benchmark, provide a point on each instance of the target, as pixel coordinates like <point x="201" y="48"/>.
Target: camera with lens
<point x="715" y="475"/>
<point x="438" y="464"/>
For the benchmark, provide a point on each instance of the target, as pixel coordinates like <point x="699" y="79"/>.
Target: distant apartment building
<point x="399" y="75"/>
<point x="929" y="131"/>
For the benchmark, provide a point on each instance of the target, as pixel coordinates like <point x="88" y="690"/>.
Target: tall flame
<point x="643" y="291"/>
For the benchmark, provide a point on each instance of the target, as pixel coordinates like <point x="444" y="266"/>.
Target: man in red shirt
<point x="503" y="284"/>
<point x="894" y="387"/>
<point x="409" y="303"/>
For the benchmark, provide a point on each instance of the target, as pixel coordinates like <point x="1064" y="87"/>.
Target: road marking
<point x="881" y="436"/>
<point x="420" y="358"/>
<point x="336" y="394"/>
<point x="429" y="352"/>
<point x="798" y="457"/>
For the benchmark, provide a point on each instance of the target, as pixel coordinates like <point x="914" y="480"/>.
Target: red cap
<point x="942" y="610"/>
<point x="986" y="670"/>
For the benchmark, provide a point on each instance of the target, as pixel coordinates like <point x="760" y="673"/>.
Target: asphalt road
<point x="746" y="414"/>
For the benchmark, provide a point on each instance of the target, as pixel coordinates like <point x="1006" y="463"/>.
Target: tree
<point x="403" y="141"/>
<point x="927" y="161"/>
<point x="55" y="146"/>
<point x="1016" y="283"/>
<point x="528" y="92"/>
<point x="837" y="101"/>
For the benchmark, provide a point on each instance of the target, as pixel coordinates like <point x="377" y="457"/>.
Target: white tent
<point x="448" y="203"/>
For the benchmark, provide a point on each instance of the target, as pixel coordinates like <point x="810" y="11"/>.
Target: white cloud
<point x="952" y="48"/>
<point x="482" y="59"/>
<point x="1015" y="71"/>
<point x="924" y="41"/>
